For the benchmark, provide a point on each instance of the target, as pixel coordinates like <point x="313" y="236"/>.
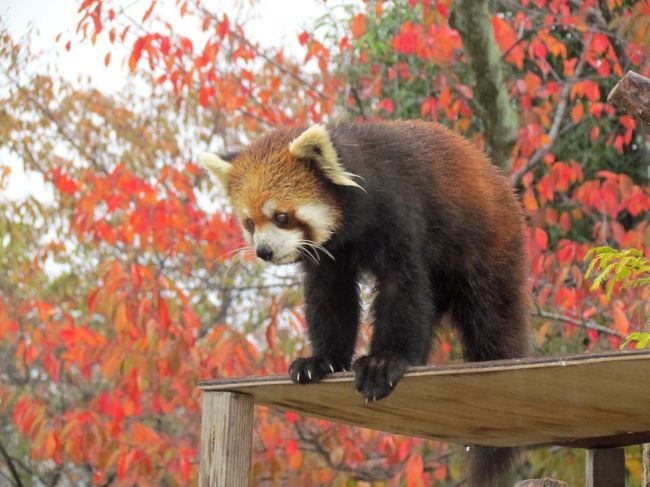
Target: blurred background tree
<point x="129" y="284"/>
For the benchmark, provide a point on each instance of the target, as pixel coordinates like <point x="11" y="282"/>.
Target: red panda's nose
<point x="264" y="252"/>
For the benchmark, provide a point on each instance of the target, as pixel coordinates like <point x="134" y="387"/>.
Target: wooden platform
<point x="591" y="401"/>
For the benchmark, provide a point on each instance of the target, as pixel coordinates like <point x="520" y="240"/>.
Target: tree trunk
<point x="473" y="21"/>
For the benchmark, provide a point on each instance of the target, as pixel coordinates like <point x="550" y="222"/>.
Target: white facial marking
<point x="283" y="242"/>
<point x="320" y="217"/>
<point x="269" y="207"/>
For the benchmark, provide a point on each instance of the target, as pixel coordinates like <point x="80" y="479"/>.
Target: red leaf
<point x="223" y="27"/>
<point x="541" y="238"/>
<point x="386" y="104"/>
<point x="136" y="53"/>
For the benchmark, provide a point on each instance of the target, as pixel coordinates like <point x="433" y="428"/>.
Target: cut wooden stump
<point x="632" y="95"/>
<point x="541" y="483"/>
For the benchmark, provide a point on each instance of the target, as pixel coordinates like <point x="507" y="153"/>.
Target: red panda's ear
<point x="216" y="166"/>
<point x="315" y="144"/>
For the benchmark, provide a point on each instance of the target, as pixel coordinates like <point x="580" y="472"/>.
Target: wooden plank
<point x="584" y="400"/>
<point x="606" y="468"/>
<point x="226" y="439"/>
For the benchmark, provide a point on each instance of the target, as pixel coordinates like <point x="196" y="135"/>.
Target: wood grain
<point x="585" y="400"/>
<point x="226" y="439"/>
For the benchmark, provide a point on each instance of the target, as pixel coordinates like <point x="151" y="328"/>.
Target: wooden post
<point x="606" y="467"/>
<point x="645" y="449"/>
<point x="226" y="439"/>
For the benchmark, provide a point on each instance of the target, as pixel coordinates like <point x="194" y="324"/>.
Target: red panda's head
<point x="278" y="187"/>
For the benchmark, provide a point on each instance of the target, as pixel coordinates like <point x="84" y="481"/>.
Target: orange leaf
<point x="107" y="59"/>
<point x="621" y="323"/>
<point x="147" y="14"/>
<point x="144" y="435"/>
<point x="577" y="112"/>
<point x="295" y="460"/>
<point x="50" y="445"/>
<point x="358" y="25"/>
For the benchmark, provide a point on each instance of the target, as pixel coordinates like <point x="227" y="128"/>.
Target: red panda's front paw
<point x="312" y="369"/>
<point x="376" y="375"/>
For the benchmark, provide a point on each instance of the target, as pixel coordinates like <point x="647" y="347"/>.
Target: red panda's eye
<point x="280" y="219"/>
<point x="250" y="225"/>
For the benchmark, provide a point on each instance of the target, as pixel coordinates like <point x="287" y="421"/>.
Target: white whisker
<point x="315" y="246"/>
<point x="303" y="251"/>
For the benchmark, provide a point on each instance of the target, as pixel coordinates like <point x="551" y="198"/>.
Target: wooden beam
<point x="632" y="95"/>
<point x="606" y="467"/>
<point x="585" y="401"/>
<point x="226" y="439"/>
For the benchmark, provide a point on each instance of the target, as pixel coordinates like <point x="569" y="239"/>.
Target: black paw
<point x="376" y="375"/>
<point x="312" y="369"/>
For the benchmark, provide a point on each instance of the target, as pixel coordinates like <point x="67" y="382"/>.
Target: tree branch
<point x="558" y="118"/>
<point x="266" y="57"/>
<point x="617" y="45"/>
<point x="587" y="324"/>
<point x="10" y="464"/>
<point x="371" y="474"/>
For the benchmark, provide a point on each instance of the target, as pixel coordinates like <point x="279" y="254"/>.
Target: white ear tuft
<point x="315" y="144"/>
<point x="216" y="166"/>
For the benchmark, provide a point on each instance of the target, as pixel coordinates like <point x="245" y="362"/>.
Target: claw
<point x="331" y="367"/>
<point x="298" y="377"/>
<point x="390" y="383"/>
<point x="309" y="374"/>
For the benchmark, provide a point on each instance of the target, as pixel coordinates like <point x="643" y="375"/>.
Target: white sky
<point x="273" y="23"/>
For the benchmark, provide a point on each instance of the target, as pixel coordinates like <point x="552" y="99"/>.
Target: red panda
<point x="413" y="204"/>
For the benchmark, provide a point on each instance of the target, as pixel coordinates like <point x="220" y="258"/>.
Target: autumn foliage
<point x="124" y="287"/>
